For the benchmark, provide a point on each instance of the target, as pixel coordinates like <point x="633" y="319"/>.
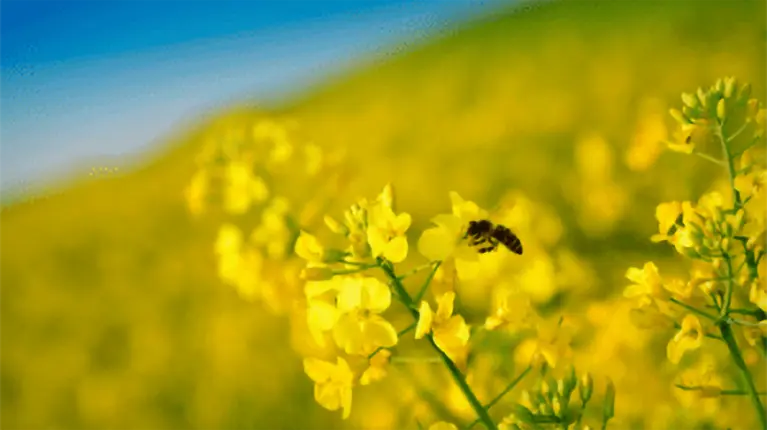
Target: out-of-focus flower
<point x="309" y="248"/>
<point x="704" y="376"/>
<point x="688" y="338"/>
<point x="512" y="310"/>
<point x="377" y="369"/>
<point x="651" y="131"/>
<point x="333" y="383"/>
<point x="550" y="346"/>
<point x="243" y="188"/>
<point x="647" y="282"/>
<point x="273" y="231"/>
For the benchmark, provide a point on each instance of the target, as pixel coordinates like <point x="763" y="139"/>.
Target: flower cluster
<point x="723" y="299"/>
<point x="349" y="286"/>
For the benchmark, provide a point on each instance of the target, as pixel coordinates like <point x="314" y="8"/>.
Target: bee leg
<point x="478" y="241"/>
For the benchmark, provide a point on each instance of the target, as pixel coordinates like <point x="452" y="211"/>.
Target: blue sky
<point x="93" y="81"/>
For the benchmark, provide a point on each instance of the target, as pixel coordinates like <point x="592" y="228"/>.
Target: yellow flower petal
<point x="396" y="250"/>
<point x="348" y="335"/>
<point x="436" y="244"/>
<point x="379" y="333"/>
<point x="445" y="306"/>
<point x="425" y="320"/>
<point x="689" y="337"/>
<point x="318" y="370"/>
<point x="309" y="248"/>
<point x="376" y="296"/>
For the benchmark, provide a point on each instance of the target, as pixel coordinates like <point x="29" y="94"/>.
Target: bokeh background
<point x="113" y="315"/>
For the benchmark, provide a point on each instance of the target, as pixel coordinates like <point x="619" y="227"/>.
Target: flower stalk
<point x="456" y="373"/>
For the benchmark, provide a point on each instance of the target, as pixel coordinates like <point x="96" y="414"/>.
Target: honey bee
<point x="487" y="236"/>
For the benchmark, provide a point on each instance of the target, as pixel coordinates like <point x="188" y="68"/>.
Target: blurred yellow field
<point x="207" y="289"/>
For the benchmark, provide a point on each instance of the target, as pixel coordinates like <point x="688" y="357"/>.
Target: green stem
<point x="416" y="270"/>
<point x="722" y="392"/>
<point x="730" y="166"/>
<point x="451" y="367"/>
<point x="420" y="294"/>
<point x="707" y="157"/>
<point x="725" y="311"/>
<point x="503" y="393"/>
<point x="732" y="345"/>
<point x="693" y="309"/>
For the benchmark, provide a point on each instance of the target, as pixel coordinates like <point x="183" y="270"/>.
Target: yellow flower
<point x="446" y="239"/>
<point x="386" y="233"/>
<point x="667" y="215"/>
<point x="513" y="310"/>
<point x="443" y="425"/>
<point x="751" y="183"/>
<point x="309" y="248"/>
<point x="551" y="344"/>
<point x="333" y="383"/>
<point x="360" y="329"/>
<point x="450" y="332"/>
<point x="377" y="369"/>
<point x="758" y="294"/>
<point x="647" y="282"/>
<point x="196" y="192"/>
<point x="321" y="317"/>
<point x="688" y="338"/>
<point x="679" y="288"/>
<point x="243" y="188"/>
<point x="248" y="281"/>
<point x="706" y="400"/>
<point x="273" y="231"/>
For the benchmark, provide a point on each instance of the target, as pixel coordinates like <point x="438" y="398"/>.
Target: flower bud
<point x="585" y="387"/>
<point x="608" y="411"/>
<point x="721" y="110"/>
<point x="335" y="226"/>
<point x="702" y="96"/>
<point x="689" y="100"/>
<point x="556" y="405"/>
<point x="522" y="413"/>
<point x="679" y="117"/>
<point x="744" y="92"/>
<point x="729" y="87"/>
<point x="752" y="108"/>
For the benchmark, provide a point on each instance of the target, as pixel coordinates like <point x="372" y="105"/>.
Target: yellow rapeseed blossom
<point x="512" y="310"/>
<point x="647" y="282"/>
<point x="360" y="328"/>
<point x="309" y="248"/>
<point x="273" y="232"/>
<point x="386" y="233"/>
<point x="377" y="369"/>
<point x="450" y="332"/>
<point x="333" y="383"/>
<point x="688" y="338"/>
<point x="667" y="215"/>
<point x="243" y="188"/>
<point x="447" y="238"/>
<point x="550" y="346"/>
<point x="751" y="183"/>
